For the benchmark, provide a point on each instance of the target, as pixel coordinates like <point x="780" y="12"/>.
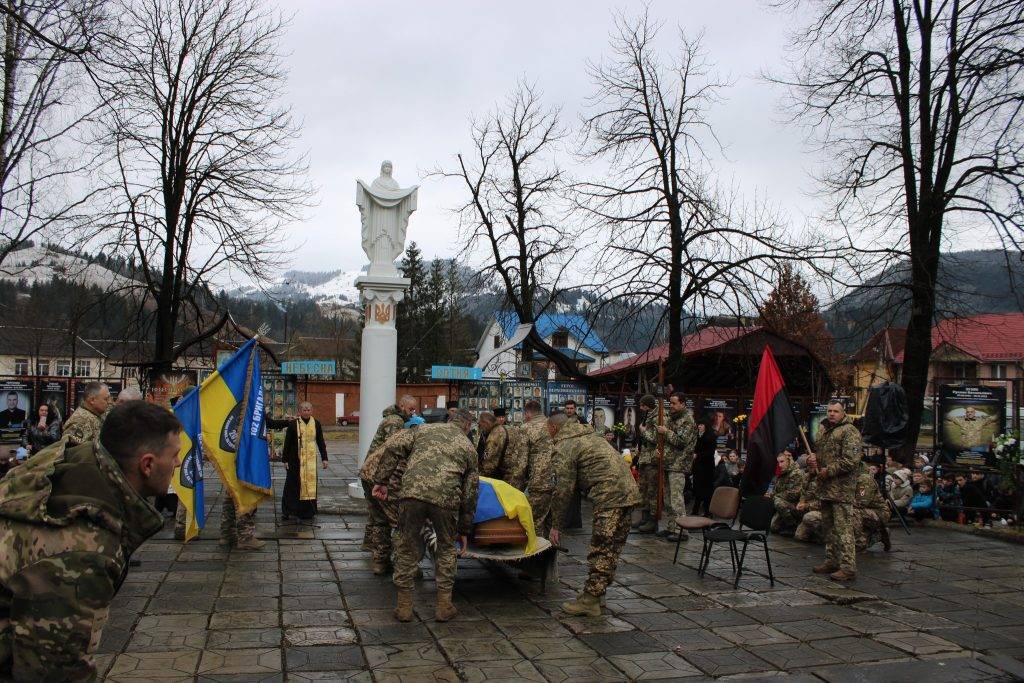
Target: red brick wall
<point x="322" y="394"/>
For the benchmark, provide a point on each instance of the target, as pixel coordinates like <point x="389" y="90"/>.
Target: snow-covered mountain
<point x="331" y="289"/>
<point x="41" y="264"/>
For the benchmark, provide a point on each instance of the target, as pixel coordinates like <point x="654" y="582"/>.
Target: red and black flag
<point x="771" y="428"/>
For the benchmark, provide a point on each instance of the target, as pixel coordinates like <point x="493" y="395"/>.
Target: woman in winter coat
<point x="42" y="431"/>
<point x="703" y="469"/>
<point x="900" y="490"/>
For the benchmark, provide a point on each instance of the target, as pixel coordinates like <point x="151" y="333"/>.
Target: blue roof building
<point x="570" y="333"/>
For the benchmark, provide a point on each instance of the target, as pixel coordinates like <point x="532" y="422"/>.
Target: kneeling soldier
<point x="583" y="460"/>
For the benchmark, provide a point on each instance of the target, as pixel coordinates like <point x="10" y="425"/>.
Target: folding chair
<point x="725" y="504"/>
<point x="756" y="514"/>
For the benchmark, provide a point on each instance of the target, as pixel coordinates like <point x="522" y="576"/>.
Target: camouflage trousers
<point x="180" y="519"/>
<point x="611" y="527"/>
<point x="787" y="518"/>
<point x="675" y="501"/>
<point x="381" y="518"/>
<point x="838" y="523"/>
<point x="809" y="529"/>
<point x="649" y="486"/>
<point x="409" y="546"/>
<point x="867" y="526"/>
<point x="540" y="503"/>
<point x="235" y="527"/>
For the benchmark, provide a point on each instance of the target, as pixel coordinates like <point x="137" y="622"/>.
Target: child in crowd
<point x="922" y="505"/>
<point x="947" y="497"/>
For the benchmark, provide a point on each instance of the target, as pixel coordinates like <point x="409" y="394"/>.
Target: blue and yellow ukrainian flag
<point x="496" y="498"/>
<point x="188" y="478"/>
<point x="231" y="405"/>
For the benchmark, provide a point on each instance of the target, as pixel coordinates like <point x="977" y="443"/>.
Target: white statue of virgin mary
<point x="385" y="209"/>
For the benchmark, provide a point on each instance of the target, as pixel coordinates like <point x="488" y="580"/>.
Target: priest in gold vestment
<point x="303" y="445"/>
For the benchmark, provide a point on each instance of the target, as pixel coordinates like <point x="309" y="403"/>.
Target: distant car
<point x="434" y="414"/>
<point x="346" y="420"/>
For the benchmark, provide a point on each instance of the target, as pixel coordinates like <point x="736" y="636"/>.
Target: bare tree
<point x="672" y="237"/>
<point x="203" y="181"/>
<point x="919" y="105"/>
<point x="515" y="206"/>
<point x="42" y="106"/>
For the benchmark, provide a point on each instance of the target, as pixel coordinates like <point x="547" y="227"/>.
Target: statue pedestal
<point x="379" y="357"/>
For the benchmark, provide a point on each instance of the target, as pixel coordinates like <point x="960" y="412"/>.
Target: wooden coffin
<point x="501" y="531"/>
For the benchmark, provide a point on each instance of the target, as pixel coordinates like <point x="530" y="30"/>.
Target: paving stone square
<point x="940" y="607"/>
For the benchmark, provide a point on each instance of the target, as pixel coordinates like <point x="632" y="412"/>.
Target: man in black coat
<point x="299" y="500"/>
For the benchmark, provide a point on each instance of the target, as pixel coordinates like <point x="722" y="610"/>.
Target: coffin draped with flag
<point x="496" y="499"/>
<point x="772" y="426"/>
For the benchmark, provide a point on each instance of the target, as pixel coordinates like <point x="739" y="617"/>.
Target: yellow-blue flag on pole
<point x="188" y="478"/>
<point x="226" y="412"/>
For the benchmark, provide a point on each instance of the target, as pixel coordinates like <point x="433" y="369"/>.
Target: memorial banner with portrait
<point x="718" y="414"/>
<point x="604" y="411"/>
<point x="15" y="403"/>
<point x="54" y="394"/>
<point x="561" y="392"/>
<point x="969" y="419"/>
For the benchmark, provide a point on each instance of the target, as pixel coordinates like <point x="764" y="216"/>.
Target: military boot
<point x="403" y="608"/>
<point x="644" y="516"/>
<point x="842" y="575"/>
<point x="886" y="541"/>
<point x="648" y="527"/>
<point x="585" y="605"/>
<point x="225" y="542"/>
<point x="251" y="543"/>
<point x="824" y="568"/>
<point x="445" y="610"/>
<point x="380" y="567"/>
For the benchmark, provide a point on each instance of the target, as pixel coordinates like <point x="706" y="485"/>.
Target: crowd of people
<point x="927" y="491"/>
<point x="77" y="509"/>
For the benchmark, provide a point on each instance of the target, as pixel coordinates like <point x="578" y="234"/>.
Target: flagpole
<point x="661" y="440"/>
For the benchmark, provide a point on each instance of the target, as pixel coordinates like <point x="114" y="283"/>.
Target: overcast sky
<point x="399" y="80"/>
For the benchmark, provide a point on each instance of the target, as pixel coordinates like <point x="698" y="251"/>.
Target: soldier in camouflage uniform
<point x="84" y="424"/>
<point x="584" y="461"/>
<point x="505" y="454"/>
<point x="70" y="518"/>
<point x="871" y="512"/>
<point x="538" y="465"/>
<point x="680" y="434"/>
<point x="647" y="464"/>
<point x="835" y="464"/>
<point x="439" y="484"/>
<point x="789" y="486"/>
<point x="809" y="529"/>
<point x="382" y="515"/>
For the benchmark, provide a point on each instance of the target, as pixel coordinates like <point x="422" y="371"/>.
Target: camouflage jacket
<point x="869" y="496"/>
<point x="69" y="521"/>
<point x="83" y="426"/>
<point x="810" y="495"/>
<point x="584" y="460"/>
<point x="392" y="422"/>
<point x="505" y="457"/>
<point x="839" y="451"/>
<point x="441" y="468"/>
<point x="788" y="487"/>
<point x="648" y="439"/>
<point x="680" y="439"/>
<point x="538" y="455"/>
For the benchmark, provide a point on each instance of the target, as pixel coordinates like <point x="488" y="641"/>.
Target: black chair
<point x="756" y="515"/>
